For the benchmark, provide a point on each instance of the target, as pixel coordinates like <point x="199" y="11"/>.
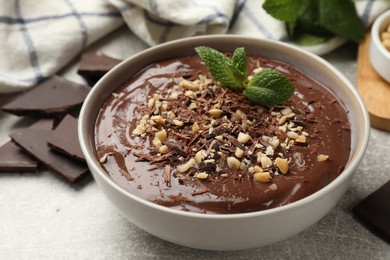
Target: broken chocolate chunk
<point x="374" y="211"/>
<point x="64" y="139"/>
<point x="49" y="98"/>
<point x="14" y="159"/>
<point x="34" y="141"/>
<point x="93" y="66"/>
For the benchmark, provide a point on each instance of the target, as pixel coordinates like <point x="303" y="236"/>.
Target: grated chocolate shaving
<point x="215" y="138"/>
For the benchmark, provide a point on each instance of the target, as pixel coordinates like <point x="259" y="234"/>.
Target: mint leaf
<point x="318" y="18"/>
<point x="220" y="66"/>
<point x="340" y="18"/>
<point x="284" y="10"/>
<point x="269" y="87"/>
<point x="240" y="65"/>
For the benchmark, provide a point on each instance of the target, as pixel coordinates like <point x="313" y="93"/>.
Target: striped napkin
<point x="157" y="21"/>
<point x="40" y="37"/>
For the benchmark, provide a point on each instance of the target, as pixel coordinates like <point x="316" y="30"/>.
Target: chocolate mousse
<point x="173" y="135"/>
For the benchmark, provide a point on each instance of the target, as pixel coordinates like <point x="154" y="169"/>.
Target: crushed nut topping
<point x="385" y="37"/>
<point x="201" y="130"/>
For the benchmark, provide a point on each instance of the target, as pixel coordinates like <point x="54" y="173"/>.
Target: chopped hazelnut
<point x="240" y="113"/>
<point x="186" y="166"/>
<point x="202" y="175"/>
<point x="191" y="94"/>
<point x="189" y="85"/>
<point x="243" y="166"/>
<point x="219" y="137"/>
<point x="161" y="135"/>
<point x="158" y="119"/>
<point x="163" y="149"/>
<point x="290" y="115"/>
<point x="322" y="157"/>
<point x="233" y="163"/>
<point x="171" y="115"/>
<point x="156" y="96"/>
<point x="269" y="151"/>
<point x="257" y="169"/>
<point x="103" y="159"/>
<point x="164" y="106"/>
<point x="274" y="141"/>
<point x="215" y="112"/>
<point x="235" y="117"/>
<point x="385" y="36"/>
<point x="262" y="177"/>
<point x="150" y="102"/>
<point x="193" y="106"/>
<point x="243" y="138"/>
<point x="239" y="152"/>
<point x="286" y="111"/>
<point x="195" y="128"/>
<point x="174" y="95"/>
<point x="265" y="162"/>
<point x="292" y="135"/>
<point x="282" y="120"/>
<point x="157" y="142"/>
<point x="139" y="130"/>
<point x="199" y="156"/>
<point x="386" y="43"/>
<point x="177" y="122"/>
<point x="259" y="155"/>
<point x="301" y="139"/>
<point x="282" y="164"/>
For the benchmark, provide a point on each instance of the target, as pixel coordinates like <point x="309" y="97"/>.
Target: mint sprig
<point x="311" y="21"/>
<point x="267" y="88"/>
<point x="229" y="72"/>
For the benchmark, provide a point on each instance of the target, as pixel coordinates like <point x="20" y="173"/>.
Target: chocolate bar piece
<point x="51" y="97"/>
<point x="34" y="141"/>
<point x="14" y="159"/>
<point x="374" y="211"/>
<point x="93" y="65"/>
<point x="64" y="139"/>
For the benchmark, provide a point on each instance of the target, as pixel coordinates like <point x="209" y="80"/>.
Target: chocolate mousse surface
<point x="173" y="136"/>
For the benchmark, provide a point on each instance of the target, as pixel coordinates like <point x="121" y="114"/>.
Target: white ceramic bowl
<point x="379" y="55"/>
<point x="230" y="231"/>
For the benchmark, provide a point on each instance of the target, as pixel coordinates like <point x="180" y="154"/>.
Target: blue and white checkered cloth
<point x="38" y="38"/>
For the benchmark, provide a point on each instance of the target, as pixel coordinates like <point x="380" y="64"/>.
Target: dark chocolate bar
<point x="34" y="141"/>
<point x="374" y="211"/>
<point x="64" y="139"/>
<point x="14" y="159"/>
<point x="49" y="98"/>
<point x="93" y="65"/>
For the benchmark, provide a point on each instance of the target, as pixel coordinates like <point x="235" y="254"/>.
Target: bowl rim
<point x="375" y="32"/>
<point x="95" y="168"/>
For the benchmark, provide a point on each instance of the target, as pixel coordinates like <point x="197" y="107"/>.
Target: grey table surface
<point x="43" y="217"/>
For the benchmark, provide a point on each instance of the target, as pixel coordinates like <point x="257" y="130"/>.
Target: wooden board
<point x="374" y="90"/>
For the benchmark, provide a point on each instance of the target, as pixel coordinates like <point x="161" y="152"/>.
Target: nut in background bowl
<point x="379" y="55"/>
<point x="226" y="231"/>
